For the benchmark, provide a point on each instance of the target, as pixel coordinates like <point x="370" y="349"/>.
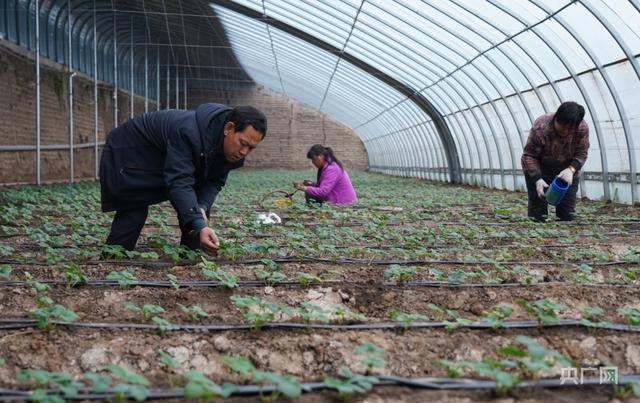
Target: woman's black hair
<point x="569" y="114"/>
<point x="318" y="149"/>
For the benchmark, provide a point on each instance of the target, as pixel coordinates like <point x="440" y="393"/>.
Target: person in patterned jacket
<point x="558" y="145"/>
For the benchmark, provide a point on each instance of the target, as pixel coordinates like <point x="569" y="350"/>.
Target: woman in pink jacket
<point x="333" y="184"/>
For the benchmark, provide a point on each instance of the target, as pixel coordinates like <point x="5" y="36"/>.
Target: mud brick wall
<point x="292" y="129"/>
<point x="18" y="128"/>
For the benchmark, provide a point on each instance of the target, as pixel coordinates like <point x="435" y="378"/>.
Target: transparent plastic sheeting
<point x="489" y="67"/>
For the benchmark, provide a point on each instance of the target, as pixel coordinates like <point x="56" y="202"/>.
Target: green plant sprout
<point x="45" y="315"/>
<point x="173" y="281"/>
<point x="171" y="364"/>
<point x="194" y="312"/>
<point x="132" y="385"/>
<point x="257" y="312"/>
<point x="590" y="316"/>
<point x="284" y="385"/>
<point x="310" y="313"/>
<point x="270" y="278"/>
<point x="406" y="319"/>
<point x="345" y="315"/>
<point x="201" y="388"/>
<point x="73" y="275"/>
<point x="125" y="278"/>
<point x="164" y="325"/>
<point x="497" y="315"/>
<point x="5" y="272"/>
<point x="443" y="314"/>
<point x="60" y="380"/>
<point x="631" y="314"/>
<point x="545" y="310"/>
<point x="349" y="384"/>
<point x="212" y="270"/>
<point x="146" y="311"/>
<point x="99" y="383"/>
<point x="306" y="279"/>
<point x="399" y="274"/>
<point x="371" y="355"/>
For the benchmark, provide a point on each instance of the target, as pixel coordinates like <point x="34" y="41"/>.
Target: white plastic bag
<point x="271" y="218"/>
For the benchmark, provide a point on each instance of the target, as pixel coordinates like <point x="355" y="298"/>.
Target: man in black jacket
<point x="176" y="155"/>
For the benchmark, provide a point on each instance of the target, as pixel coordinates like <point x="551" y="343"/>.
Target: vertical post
<point x="38" y="151"/>
<point x="95" y="92"/>
<point x="146" y="78"/>
<point x="184" y="89"/>
<point x="115" y="71"/>
<point x="177" y="88"/>
<point x="70" y="98"/>
<point x="131" y="93"/>
<point x="168" y="84"/>
<point x="158" y="78"/>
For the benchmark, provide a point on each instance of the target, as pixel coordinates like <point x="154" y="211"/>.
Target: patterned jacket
<point x="546" y="153"/>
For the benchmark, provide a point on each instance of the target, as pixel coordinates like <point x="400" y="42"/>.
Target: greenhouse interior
<point x="320" y="200"/>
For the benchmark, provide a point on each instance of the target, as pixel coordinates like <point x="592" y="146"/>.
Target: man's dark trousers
<point x="127" y="225"/>
<point x="565" y="211"/>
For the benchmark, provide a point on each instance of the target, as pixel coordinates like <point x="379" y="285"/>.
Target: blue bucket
<point x="556" y="191"/>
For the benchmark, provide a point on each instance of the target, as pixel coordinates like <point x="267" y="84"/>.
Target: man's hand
<point x="567" y="175"/>
<point x="541" y="185"/>
<point x="209" y="241"/>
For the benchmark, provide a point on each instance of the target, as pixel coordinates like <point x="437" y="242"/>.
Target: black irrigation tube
<point x="11" y="395"/>
<point x="9" y="324"/>
<point x="322" y="283"/>
<point x="296" y="259"/>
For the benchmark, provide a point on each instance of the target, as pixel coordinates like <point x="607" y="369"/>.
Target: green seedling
<point x="310" y="313"/>
<point x="306" y="280"/>
<point x="408" y="318"/>
<point x="269" y="264"/>
<point x="399" y="274"/>
<point x="590" y="316"/>
<point x="445" y="314"/>
<point x="201" y="388"/>
<point x="230" y="250"/>
<point x="114" y="252"/>
<point x="36" y="285"/>
<point x="545" y="310"/>
<point x="73" y="275"/>
<point x="59" y="380"/>
<point x="194" y="312"/>
<point x="270" y="278"/>
<point x="497" y="315"/>
<point x="495" y="370"/>
<point x="537" y="360"/>
<point x="584" y="274"/>
<point x="5" y="272"/>
<point x="349" y="384"/>
<point x="132" y="385"/>
<point x="173" y="281"/>
<point x="631" y="314"/>
<point x="171" y="364"/>
<point x="285" y="385"/>
<point x="99" y="383"/>
<point x="371" y="355"/>
<point x="146" y="311"/>
<point x="256" y="311"/>
<point x="345" y="315"/>
<point x="45" y="315"/>
<point x="125" y="278"/>
<point x="164" y="325"/>
<point x="226" y="280"/>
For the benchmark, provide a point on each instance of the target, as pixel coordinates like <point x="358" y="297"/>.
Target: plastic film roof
<point x="448" y="90"/>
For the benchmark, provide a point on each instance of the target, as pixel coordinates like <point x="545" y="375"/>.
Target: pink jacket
<point x="334" y="186"/>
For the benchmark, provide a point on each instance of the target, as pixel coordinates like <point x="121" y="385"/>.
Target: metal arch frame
<point x="423" y="103"/>
<point x="625" y="120"/>
<point x="470" y="77"/>
<point x="583" y="92"/>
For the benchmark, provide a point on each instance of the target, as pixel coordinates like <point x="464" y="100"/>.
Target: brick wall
<point x="293" y="128"/>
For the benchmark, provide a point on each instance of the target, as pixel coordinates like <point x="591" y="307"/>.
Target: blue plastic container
<point x="556" y="191"/>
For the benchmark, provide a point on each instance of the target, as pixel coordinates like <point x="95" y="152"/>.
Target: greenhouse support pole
<point x="70" y="97"/>
<point x="157" y="78"/>
<point x="115" y="72"/>
<point x="146" y="78"/>
<point x="131" y="93"/>
<point x="38" y="151"/>
<point x="168" y="84"/>
<point x="184" y="86"/>
<point x="177" y="87"/>
<point x="95" y="92"/>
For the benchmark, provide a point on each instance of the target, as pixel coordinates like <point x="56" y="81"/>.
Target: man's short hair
<point x="243" y="116"/>
<point x="570" y="114"/>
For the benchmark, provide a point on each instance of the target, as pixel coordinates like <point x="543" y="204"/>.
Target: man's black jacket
<point x="170" y="155"/>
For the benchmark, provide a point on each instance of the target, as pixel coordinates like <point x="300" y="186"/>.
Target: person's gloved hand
<point x="307" y="182"/>
<point x="298" y="185"/>
<point x="567" y="175"/>
<point x="209" y="241"/>
<point x="541" y="185"/>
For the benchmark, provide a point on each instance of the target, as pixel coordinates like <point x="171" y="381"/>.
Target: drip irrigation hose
<point x="308" y="259"/>
<point x="284" y="192"/>
<point x="11" y="395"/>
<point x="322" y="283"/>
<point x="8" y="324"/>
